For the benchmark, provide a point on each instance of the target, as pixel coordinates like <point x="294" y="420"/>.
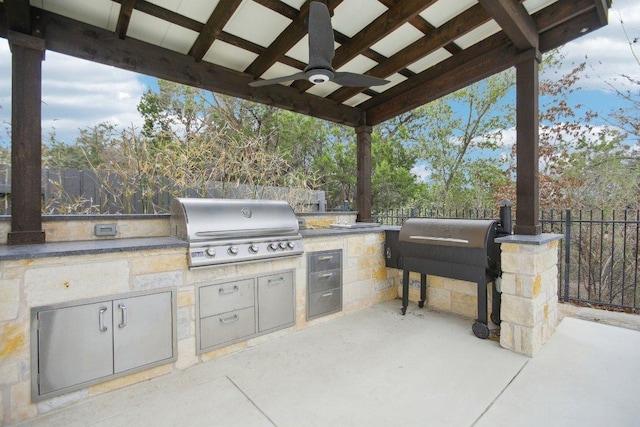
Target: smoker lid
<point x="222" y="219"/>
<point x="469" y="233"/>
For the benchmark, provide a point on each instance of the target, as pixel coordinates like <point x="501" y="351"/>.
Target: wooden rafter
<point x="212" y="29"/>
<point x="440" y="37"/>
<point x="515" y="21"/>
<point x="124" y="17"/>
<point x="18" y="15"/>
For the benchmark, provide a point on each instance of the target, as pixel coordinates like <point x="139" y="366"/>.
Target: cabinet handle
<point x="123" y="308"/>
<point x="326" y="275"/>
<point x="223" y="291"/>
<point x="325" y="258"/>
<point x="328" y="294"/>
<point x="276" y="281"/>
<point x="101" y="319"/>
<point x="231" y="319"/>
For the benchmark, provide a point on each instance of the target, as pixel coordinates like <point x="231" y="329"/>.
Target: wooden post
<point x="528" y="121"/>
<point x="27" y="53"/>
<point x="363" y="190"/>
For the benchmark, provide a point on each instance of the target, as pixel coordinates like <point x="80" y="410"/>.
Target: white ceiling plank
<point x="351" y="16"/>
<point x="147" y="28"/>
<point x="444" y="10"/>
<point x="358" y="99"/>
<point x="256" y="23"/>
<point x="360" y="64"/>
<point x="398" y="40"/>
<point x="94" y="12"/>
<point x="482" y="32"/>
<point x="229" y="56"/>
<point x="394" y="79"/>
<point x="533" y="6"/>
<point x="199" y="10"/>
<point x="179" y="39"/>
<point x="429" y="60"/>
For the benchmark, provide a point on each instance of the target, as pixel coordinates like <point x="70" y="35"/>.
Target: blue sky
<point x="78" y="94"/>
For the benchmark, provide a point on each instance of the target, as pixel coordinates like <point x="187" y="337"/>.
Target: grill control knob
<point x="233" y="250"/>
<point x="291" y="245"/>
<point x="253" y="249"/>
<point x="211" y="252"/>
<point x="282" y="245"/>
<point x="273" y="247"/>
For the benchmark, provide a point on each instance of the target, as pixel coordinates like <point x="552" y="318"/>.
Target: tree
<point x="461" y="133"/>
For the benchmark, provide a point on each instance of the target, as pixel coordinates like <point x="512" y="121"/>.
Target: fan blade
<point x="321" y="50"/>
<point x="297" y="76"/>
<point x="357" y="80"/>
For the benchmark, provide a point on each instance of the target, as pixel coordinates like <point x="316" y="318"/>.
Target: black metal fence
<point x="598" y="258"/>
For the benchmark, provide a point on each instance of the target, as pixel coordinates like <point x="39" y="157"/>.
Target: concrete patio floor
<point x="378" y="368"/>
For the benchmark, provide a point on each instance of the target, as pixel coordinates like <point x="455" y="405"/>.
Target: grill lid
<point x="200" y="220"/>
<point x="468" y="233"/>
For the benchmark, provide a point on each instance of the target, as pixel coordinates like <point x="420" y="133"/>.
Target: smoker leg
<point x="495" y="303"/>
<point x="480" y="328"/>
<point x="423" y="290"/>
<point x="405" y="291"/>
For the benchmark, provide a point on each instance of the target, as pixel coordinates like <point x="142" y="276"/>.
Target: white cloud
<point x="607" y="50"/>
<point x="76" y="94"/>
<point x="421" y="173"/>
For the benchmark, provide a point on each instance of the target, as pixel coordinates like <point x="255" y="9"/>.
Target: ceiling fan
<point x="321" y="52"/>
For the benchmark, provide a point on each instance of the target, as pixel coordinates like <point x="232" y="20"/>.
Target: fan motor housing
<point x="319" y="76"/>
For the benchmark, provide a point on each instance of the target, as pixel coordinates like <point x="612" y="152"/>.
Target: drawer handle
<point x="123" y="308"/>
<point x="328" y="294"/>
<point x="325" y="258"/>
<point x="326" y="275"/>
<point x="101" y="319"/>
<point x="276" y="281"/>
<point x="231" y="319"/>
<point x="223" y="291"/>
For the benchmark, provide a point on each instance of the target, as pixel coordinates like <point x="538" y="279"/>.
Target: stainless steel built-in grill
<point x="454" y="248"/>
<point x="223" y="231"/>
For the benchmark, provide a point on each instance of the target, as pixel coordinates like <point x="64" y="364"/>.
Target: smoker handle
<point x="231" y="319"/>
<point x="123" y="309"/>
<point x="223" y="291"/>
<point x="101" y="319"/>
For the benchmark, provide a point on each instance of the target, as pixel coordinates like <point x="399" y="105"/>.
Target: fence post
<point x="567" y="254"/>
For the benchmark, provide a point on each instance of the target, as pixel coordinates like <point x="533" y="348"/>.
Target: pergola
<point x="425" y="48"/>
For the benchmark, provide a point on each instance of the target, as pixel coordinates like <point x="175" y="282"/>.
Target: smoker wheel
<point x="420" y="304"/>
<point x="495" y="320"/>
<point x="403" y="310"/>
<point x="480" y="330"/>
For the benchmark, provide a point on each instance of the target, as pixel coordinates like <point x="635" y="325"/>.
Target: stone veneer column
<point x="529" y="312"/>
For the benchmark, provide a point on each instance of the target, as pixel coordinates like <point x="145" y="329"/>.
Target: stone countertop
<point x="329" y="232"/>
<point x="85" y="247"/>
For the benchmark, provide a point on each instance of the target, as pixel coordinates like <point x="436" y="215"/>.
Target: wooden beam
<point x="382" y="26"/>
<point x="70" y="37"/>
<point x="18" y="15"/>
<point x="440" y="37"/>
<point x="486" y="58"/>
<point x="527" y="143"/>
<point x="212" y="29"/>
<point x="515" y="21"/>
<point x="363" y="187"/>
<point x="124" y="17"/>
<point x="27" y="53"/>
<point x="561" y="12"/>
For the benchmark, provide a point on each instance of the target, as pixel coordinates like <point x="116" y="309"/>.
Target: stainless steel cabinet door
<point x="75" y="345"/>
<point x="142" y="330"/>
<point x="276" y="301"/>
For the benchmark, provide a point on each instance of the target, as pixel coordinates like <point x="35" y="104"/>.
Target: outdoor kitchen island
<point x="142" y="260"/>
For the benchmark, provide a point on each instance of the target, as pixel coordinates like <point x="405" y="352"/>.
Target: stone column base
<point x="529" y="312"/>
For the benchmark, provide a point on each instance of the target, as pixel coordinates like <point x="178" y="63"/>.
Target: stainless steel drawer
<point x="227" y="327"/>
<point x="276" y="301"/>
<point x="326" y="302"/>
<point x="322" y="261"/>
<point x="324" y="280"/>
<point x="226" y="297"/>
